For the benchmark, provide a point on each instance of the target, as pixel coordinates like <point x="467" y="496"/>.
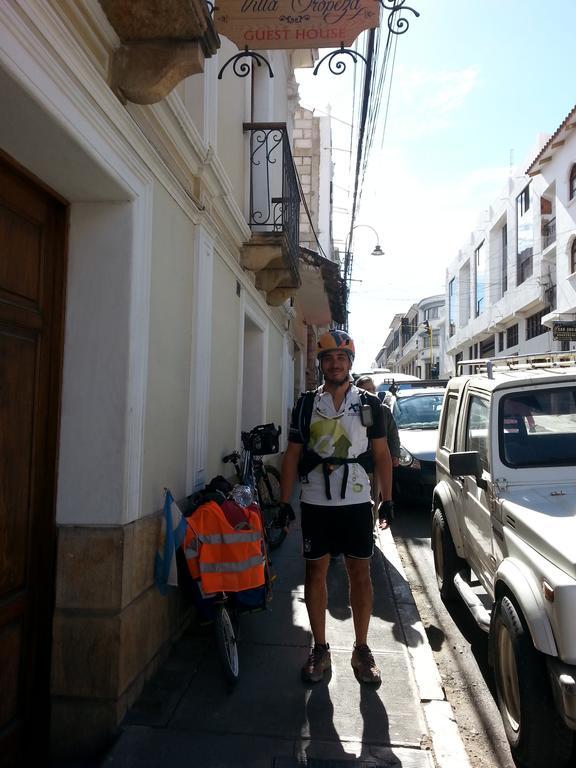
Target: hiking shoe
<point x="318" y="662"/>
<point x="364" y="665"/>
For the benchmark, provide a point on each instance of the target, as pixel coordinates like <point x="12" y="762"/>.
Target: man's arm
<point x="393" y="436"/>
<point x="289" y="471"/>
<point x="383" y="466"/>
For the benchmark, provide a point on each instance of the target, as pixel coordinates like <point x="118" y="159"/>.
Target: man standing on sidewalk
<point x="331" y="446"/>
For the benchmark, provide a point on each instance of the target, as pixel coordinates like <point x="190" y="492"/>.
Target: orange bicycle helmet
<point x="335" y="339"/>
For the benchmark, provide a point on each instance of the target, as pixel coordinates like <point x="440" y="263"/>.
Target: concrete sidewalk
<point x="186" y="715"/>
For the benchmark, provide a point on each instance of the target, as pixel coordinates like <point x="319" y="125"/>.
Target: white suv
<point x="504" y="537"/>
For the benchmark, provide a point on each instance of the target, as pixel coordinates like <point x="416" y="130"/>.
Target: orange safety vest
<point x="221" y="557"/>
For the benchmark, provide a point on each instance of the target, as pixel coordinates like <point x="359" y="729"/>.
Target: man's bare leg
<point x="316" y="596"/>
<point x="361" y="598"/>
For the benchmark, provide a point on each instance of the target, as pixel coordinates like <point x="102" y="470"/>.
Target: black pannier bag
<point x="264" y="439"/>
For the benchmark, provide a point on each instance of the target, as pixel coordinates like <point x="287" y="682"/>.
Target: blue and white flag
<point x="172" y="535"/>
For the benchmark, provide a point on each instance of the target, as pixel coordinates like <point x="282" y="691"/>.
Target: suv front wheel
<point x="447" y="563"/>
<point x="537" y="735"/>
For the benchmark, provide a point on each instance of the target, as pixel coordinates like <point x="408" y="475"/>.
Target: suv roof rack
<point x="424" y="383"/>
<point x="518" y="362"/>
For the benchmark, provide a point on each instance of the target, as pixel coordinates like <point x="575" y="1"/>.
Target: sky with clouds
<point x="474" y="84"/>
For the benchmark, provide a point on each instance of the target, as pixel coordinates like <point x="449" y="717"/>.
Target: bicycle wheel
<point x="227" y="645"/>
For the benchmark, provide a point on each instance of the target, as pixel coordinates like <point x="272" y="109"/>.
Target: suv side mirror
<point x="467" y="463"/>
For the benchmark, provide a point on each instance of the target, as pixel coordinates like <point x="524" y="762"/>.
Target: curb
<point x="447" y="745"/>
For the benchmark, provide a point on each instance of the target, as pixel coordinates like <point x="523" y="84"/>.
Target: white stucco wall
<point x="93" y="431"/>
<point x="137" y="179"/>
<point x="171" y="279"/>
<point x="274" y="405"/>
<point x="233" y="111"/>
<point x="224" y="384"/>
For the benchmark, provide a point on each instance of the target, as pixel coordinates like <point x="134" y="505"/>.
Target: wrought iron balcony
<point x="548" y="233"/>
<point x="274" y="215"/>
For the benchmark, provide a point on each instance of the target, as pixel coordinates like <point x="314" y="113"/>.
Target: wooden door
<point x="32" y="266"/>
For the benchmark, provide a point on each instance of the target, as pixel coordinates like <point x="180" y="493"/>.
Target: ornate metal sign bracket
<point x="397" y="24"/>
<point x="243" y="69"/>
<point x="339" y="67"/>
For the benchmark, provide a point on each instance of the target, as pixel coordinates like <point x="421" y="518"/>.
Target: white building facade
<point x="514" y="278"/>
<point x="415" y="344"/>
<point x="145" y="320"/>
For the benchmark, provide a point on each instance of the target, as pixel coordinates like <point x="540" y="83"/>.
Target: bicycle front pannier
<point x="264" y="439"/>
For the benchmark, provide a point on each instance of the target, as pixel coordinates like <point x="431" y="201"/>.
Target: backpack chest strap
<point x="311" y="460"/>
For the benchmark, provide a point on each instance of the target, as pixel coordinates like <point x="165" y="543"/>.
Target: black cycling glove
<point x="287" y="512"/>
<point x="386" y="510"/>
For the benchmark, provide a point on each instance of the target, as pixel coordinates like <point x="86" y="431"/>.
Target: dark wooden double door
<point x="32" y="268"/>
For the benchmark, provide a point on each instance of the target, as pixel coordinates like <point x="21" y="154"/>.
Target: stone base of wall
<point x="112" y="629"/>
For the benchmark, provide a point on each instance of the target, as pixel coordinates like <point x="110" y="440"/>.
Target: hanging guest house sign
<point x="282" y="24"/>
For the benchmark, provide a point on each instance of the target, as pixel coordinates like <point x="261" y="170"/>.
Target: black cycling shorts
<point x="328" y="530"/>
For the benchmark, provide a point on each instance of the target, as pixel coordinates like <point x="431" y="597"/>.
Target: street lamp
<point x="348" y="253"/>
<point x="348" y="260"/>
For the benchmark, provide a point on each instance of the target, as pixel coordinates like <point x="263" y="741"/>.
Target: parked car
<point x="504" y="538"/>
<point x="388" y="382"/>
<point x="417" y="414"/>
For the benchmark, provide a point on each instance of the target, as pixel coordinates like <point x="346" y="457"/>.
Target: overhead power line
<point x="377" y="79"/>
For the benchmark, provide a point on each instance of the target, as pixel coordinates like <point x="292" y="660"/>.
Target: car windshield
<point x="418" y="411"/>
<point x="538" y="428"/>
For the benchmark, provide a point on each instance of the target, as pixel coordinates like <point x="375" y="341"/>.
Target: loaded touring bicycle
<point x="224" y="554"/>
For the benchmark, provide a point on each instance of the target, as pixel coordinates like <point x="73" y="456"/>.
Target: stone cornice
<point x="163" y="41"/>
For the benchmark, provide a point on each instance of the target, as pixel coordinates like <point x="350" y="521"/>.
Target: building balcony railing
<point x="548" y="233"/>
<point x="274" y="215"/>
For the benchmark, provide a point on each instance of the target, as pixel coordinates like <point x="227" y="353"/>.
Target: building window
<point x="523" y="201"/>
<point x="534" y="325"/>
<point x="487" y="348"/>
<point x="573" y="257"/>
<point x="504" y="260"/>
<point x="525" y="236"/>
<point x="480" y="279"/>
<point x="572" y="183"/>
<point x="501" y="341"/>
<point x="431" y="314"/>
<point x="512" y="336"/>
